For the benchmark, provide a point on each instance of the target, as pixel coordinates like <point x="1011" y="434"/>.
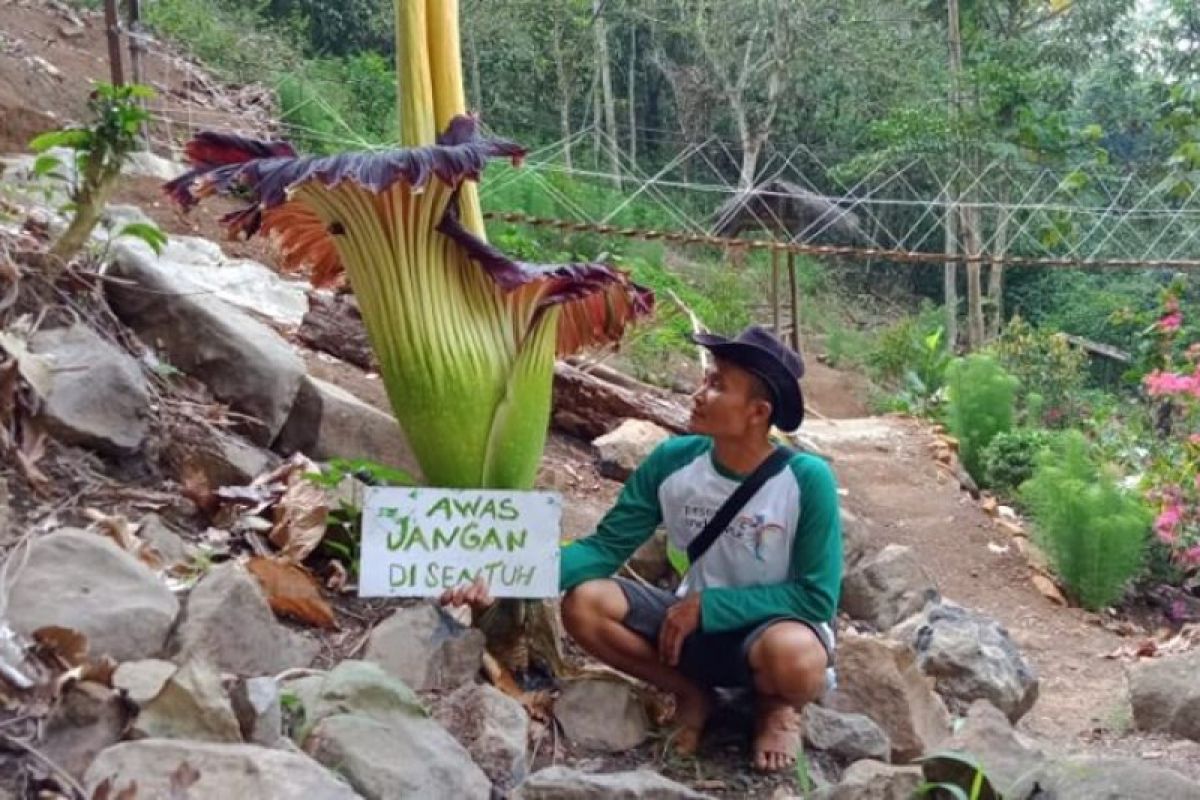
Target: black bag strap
<point x="768" y="469"/>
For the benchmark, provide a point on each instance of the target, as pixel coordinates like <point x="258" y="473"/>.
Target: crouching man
<point x="762" y="531"/>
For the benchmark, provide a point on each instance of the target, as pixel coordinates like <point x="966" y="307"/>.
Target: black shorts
<point x="710" y="659"/>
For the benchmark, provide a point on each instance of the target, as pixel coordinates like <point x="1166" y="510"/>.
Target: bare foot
<point x="778" y="735"/>
<point x="691" y="714"/>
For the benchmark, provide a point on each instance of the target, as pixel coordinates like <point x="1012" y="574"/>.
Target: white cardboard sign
<point x="420" y="542"/>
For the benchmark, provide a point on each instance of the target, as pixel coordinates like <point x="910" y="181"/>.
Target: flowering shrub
<point x="1051" y="372"/>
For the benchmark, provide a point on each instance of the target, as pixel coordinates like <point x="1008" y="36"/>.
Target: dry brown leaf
<point x="292" y="591"/>
<point x="99" y="670"/>
<point x="195" y="486"/>
<point x="68" y="646"/>
<point x="335" y="576"/>
<point x="1048" y="589"/>
<point x="989" y="505"/>
<point x="302" y="513"/>
<point x="122" y="532"/>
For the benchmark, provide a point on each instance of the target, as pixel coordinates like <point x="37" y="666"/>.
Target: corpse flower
<point x="465" y="336"/>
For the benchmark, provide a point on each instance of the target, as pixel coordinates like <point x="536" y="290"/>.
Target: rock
<point x="850" y="737"/>
<point x="226" y="770"/>
<point x="873" y="780"/>
<point x="224" y="459"/>
<point x="886" y="587"/>
<point x="98" y="397"/>
<point x="620" y="451"/>
<point x="426" y="648"/>
<point x="160" y="536"/>
<point x="114" y="217"/>
<point x="1104" y="779"/>
<point x="256" y="645"/>
<point x="143" y="680"/>
<point x="242" y="361"/>
<point x="191" y="705"/>
<point x="493" y="727"/>
<point x="258" y="710"/>
<point x="88" y="718"/>
<point x="650" y="560"/>
<point x="1166" y="696"/>
<point x="856" y="538"/>
<point x="971" y="657"/>
<point x="564" y="783"/>
<point x="987" y="737"/>
<point x="880" y="678"/>
<point x="144" y="164"/>
<point x="329" y="422"/>
<point x="5" y="512"/>
<point x="602" y="714"/>
<point x="360" y="688"/>
<point x="83" y="581"/>
<point x="407" y="757"/>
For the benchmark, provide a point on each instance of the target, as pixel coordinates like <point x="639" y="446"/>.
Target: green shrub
<point x="1051" y="370"/>
<point x="981" y="405"/>
<point x="1009" y="459"/>
<point x="1094" y="532"/>
<point x="913" y="346"/>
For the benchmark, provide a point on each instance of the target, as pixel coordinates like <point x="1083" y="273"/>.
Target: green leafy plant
<point x="100" y="150"/>
<point x="1052" y="373"/>
<point x="981" y="396"/>
<point x="342" y="478"/>
<point x="1010" y="457"/>
<point x="1093" y="531"/>
<point x="959" y="777"/>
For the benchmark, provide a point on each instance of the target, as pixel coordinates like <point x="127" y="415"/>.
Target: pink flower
<point x="1167" y="524"/>
<point x="1171" y="322"/>
<point x="1191" y="556"/>
<point x="1159" y="383"/>
<point x="1171" y="304"/>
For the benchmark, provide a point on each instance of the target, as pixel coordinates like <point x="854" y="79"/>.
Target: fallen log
<point x="585" y="404"/>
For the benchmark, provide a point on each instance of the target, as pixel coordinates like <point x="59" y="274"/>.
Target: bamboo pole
<point x="112" y="29"/>
<point x="791" y="263"/>
<point x="775" y="291"/>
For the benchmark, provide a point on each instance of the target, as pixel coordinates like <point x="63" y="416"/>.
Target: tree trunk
<point x="752" y="144"/>
<point x="563" y="76"/>
<point x="950" y="278"/>
<point x="996" y="274"/>
<point x="970" y="231"/>
<point x="633" y="137"/>
<point x="600" y="27"/>
<point x="476" y="80"/>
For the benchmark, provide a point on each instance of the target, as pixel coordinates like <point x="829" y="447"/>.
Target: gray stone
<point x="229" y="623"/>
<point x="258" y="710"/>
<point x="242" y="361"/>
<point x="620" y="451"/>
<point x="227" y="460"/>
<point x="83" y="581"/>
<point x="143" y="680"/>
<point x="406" y="757"/>
<point x="602" y="714"/>
<point x="564" y="783"/>
<point x="329" y="422"/>
<point x="98" y="396"/>
<point x="87" y="719"/>
<point x="850" y="737"/>
<point x="162" y="538"/>
<point x="363" y="689"/>
<point x="493" y="727"/>
<point x="226" y="771"/>
<point x="873" y="780"/>
<point x="144" y="164"/>
<point x="988" y="739"/>
<point x="856" y="538"/>
<point x="1104" y="779"/>
<point x="192" y="704"/>
<point x="1165" y="695"/>
<point x="886" y="587"/>
<point x="880" y="678"/>
<point x="117" y="216"/>
<point x="426" y="648"/>
<point x="5" y="511"/>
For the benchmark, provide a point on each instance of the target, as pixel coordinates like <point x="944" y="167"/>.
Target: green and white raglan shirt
<point x="780" y="557"/>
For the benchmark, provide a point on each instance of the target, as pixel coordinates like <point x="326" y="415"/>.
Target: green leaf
<point x="926" y="789"/>
<point x="152" y="235"/>
<point x="71" y="138"/>
<point x="45" y="165"/>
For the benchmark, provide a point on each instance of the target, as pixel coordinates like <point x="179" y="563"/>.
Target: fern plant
<point x="1094" y="532"/>
<point x="981" y="406"/>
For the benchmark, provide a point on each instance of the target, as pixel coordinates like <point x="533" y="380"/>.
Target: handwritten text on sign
<point x="420" y="542"/>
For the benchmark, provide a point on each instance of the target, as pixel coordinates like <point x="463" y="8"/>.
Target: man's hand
<point x="682" y="619"/>
<point x="475" y="595"/>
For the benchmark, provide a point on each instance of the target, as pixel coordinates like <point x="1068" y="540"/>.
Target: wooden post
<point x="136" y="48"/>
<point x="112" y="27"/>
<point x="791" y="262"/>
<point x="775" y="291"/>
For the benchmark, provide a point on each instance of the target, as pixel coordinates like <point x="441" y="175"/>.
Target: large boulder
<point x="849" y="737"/>
<point x="225" y="770"/>
<point x="143" y="680"/>
<point x="361" y="688"/>
<point x="83" y="581"/>
<point x="987" y="739"/>
<point x="328" y="422"/>
<point x="1082" y="778"/>
<point x="602" y="714"/>
<point x="192" y="705"/>
<point x="971" y="657"/>
<point x="564" y="783"/>
<point x="241" y="360"/>
<point x="879" y="677"/>
<point x="886" y="587"/>
<point x="493" y="727"/>
<point x="87" y="719"/>
<point x="229" y="623"/>
<point x="1165" y="695"/>
<point x="873" y="780"/>
<point x="257" y="704"/>
<point x="620" y="451"/>
<point x="98" y="397"/>
<point x="426" y="648"/>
